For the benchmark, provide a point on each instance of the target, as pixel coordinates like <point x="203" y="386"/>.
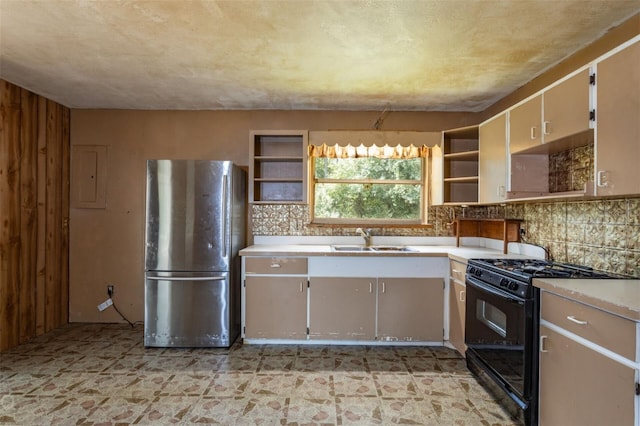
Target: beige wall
<point x="106" y="245"/>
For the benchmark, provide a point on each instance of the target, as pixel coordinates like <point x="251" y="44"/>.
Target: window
<point x="368" y="184"/>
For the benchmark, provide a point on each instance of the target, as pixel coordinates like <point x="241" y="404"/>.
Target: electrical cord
<point x="110" y="292"/>
<point x="547" y="252"/>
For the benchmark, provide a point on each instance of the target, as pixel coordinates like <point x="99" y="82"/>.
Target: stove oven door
<point x="498" y="332"/>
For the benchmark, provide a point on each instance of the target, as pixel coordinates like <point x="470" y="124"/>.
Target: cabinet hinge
<point x="592" y="115"/>
<point x="592" y="79"/>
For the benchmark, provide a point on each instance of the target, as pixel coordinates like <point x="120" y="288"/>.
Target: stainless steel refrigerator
<point x="195" y="226"/>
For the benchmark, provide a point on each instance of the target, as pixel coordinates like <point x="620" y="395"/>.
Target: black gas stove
<point x="502" y="326"/>
<point x="515" y="275"/>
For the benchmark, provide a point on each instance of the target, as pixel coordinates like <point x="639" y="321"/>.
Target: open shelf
<point x="277" y="170"/>
<point x="507" y="230"/>
<point x="460" y="149"/>
<point x="564" y="168"/>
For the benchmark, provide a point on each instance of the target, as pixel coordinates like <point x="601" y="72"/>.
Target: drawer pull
<point x="577" y="321"/>
<point x="275" y="265"/>
<point x="545" y="127"/>
<point x="542" y="340"/>
<point x="462" y="296"/>
<point x="533" y="132"/>
<point x="455" y="271"/>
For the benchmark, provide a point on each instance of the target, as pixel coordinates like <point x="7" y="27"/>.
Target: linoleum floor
<point x="101" y="374"/>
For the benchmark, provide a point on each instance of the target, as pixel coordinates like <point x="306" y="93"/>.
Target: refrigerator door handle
<point x="223" y="222"/>
<point x="211" y="278"/>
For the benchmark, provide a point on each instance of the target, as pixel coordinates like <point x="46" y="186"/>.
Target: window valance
<point x="380" y="144"/>
<point x="386" y="151"/>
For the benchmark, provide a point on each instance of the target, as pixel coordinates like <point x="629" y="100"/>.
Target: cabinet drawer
<point x="602" y="328"/>
<point x="276" y="265"/>
<point x="457" y="270"/>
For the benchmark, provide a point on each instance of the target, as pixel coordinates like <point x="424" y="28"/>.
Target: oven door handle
<point x="496" y="292"/>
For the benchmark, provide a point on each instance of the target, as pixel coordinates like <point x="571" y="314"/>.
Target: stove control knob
<point x="504" y="282"/>
<point x="513" y="286"/>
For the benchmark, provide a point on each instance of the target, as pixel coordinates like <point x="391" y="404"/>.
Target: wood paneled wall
<point x="34" y="215"/>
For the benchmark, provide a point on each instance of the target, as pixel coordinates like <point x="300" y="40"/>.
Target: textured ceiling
<point x="424" y="55"/>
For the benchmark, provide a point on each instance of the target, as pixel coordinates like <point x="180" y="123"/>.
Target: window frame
<point x="424" y="193"/>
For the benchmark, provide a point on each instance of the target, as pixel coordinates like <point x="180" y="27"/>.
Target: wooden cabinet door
<point x="410" y="309"/>
<point x="618" y="123"/>
<point x="566" y="108"/>
<point x="276" y="307"/>
<point x="492" y="168"/>
<point x="457" y="297"/>
<point x="524" y="125"/>
<point x="579" y="386"/>
<point x="342" y="308"/>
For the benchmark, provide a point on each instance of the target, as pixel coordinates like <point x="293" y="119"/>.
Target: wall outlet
<point x="110" y="291"/>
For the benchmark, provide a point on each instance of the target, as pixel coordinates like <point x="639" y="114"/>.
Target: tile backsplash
<point x="571" y="170"/>
<point x="603" y="234"/>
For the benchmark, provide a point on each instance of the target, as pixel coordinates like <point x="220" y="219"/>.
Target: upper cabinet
<point x="566" y="109"/>
<point x="586" y="142"/>
<point x="618" y="123"/>
<point x="492" y="173"/>
<point x="559" y="111"/>
<point x="455" y="167"/>
<point x="524" y="125"/>
<point x="578" y="137"/>
<point x="278" y="166"/>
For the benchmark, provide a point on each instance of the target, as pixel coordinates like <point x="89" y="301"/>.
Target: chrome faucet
<point x="366" y="234"/>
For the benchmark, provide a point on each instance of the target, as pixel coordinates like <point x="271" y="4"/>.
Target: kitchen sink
<point x="345" y="248"/>
<point x="391" y="248"/>
<point x="351" y="248"/>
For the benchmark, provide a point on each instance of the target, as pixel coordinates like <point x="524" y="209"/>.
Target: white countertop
<point x="620" y="297"/>
<point x="459" y="253"/>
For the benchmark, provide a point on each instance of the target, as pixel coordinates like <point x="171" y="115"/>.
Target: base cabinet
<point x="276" y="307"/>
<point x="580" y="386"/>
<point x="297" y="298"/>
<point x="342" y="308"/>
<point x="410" y="309"/>
<point x="382" y="309"/>
<point x="275" y="297"/>
<point x="588" y="364"/>
<point x="457" y="303"/>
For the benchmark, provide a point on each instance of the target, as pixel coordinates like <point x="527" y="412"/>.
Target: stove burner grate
<point x="527" y="269"/>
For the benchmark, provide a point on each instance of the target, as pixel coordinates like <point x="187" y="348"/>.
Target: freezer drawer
<point x="189" y="311"/>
